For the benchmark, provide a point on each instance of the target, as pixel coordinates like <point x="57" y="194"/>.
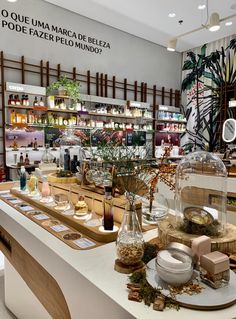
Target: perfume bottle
<point x="45" y="187"/>
<point x="13" y="117"/>
<point x="27" y="161"/>
<point x="11" y="100"/>
<point x="67" y="160"/>
<point x="22" y="178"/>
<point x="108" y="221"/>
<point x="21" y="158"/>
<point x="15" y="145"/>
<point x="35" y="144"/>
<point x="33" y="184"/>
<point x="74" y="164"/>
<point x="41" y="103"/>
<point x="36" y="103"/>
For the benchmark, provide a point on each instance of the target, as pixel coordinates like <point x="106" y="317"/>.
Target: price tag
<point x="6" y="195"/>
<point x="59" y="228"/>
<point x="84" y="243"/>
<point x="41" y="217"/>
<point x="26" y="208"/>
<point x="15" y="201"/>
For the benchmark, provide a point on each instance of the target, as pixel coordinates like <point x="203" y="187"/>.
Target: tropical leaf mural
<point x="206" y="83"/>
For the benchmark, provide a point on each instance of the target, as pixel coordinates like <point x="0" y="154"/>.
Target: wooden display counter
<point x="44" y="278"/>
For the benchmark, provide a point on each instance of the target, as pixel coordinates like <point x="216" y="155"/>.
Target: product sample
<point x="108" y="221"/>
<point x="214" y="269"/>
<point x="22" y="179"/>
<point x="201" y="246"/>
<point x="81" y="208"/>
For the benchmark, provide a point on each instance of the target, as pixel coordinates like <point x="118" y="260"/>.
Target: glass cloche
<point x="70" y="149"/>
<point x="201" y="194"/>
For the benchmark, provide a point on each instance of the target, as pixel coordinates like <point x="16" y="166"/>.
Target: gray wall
<point x="129" y="56"/>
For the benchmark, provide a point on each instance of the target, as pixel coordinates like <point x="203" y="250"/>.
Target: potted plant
<point x="65" y="86"/>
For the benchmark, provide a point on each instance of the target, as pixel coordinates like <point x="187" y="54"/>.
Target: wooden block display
<point x="167" y="233"/>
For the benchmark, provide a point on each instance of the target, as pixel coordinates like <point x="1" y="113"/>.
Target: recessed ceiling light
<point x="11" y="0"/>
<point x="201" y="7"/>
<point x="171" y="15"/>
<point x="228" y="23"/>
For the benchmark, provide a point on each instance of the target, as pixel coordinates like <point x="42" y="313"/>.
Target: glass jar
<point x="70" y="145"/>
<point x="155" y="210"/>
<point x="47" y="156"/>
<point x="130" y="242"/>
<point x="201" y="189"/>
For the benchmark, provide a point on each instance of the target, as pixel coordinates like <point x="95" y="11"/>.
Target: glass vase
<point x="130" y="242"/>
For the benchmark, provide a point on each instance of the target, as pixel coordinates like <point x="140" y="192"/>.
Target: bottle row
<point x="112" y="125"/>
<point x="169" y="116"/>
<point x="121" y="110"/>
<point x="24" y="100"/>
<point x="24" y="161"/>
<point x="70" y="164"/>
<point x="50" y="118"/>
<point x="173" y="127"/>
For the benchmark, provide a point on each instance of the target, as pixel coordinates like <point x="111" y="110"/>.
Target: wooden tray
<point x="208" y="299"/>
<point x="43" y="223"/>
<point x="79" y="225"/>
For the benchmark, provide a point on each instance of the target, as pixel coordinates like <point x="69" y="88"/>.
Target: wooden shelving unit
<point x="101" y="83"/>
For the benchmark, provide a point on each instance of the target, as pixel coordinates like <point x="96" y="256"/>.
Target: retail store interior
<point x="117" y="159"/>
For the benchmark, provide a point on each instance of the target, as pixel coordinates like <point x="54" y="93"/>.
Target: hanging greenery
<point x="71" y="87"/>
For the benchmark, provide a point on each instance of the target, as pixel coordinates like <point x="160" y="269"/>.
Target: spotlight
<point x="201" y="7"/>
<point x="172" y="45"/>
<point x="214" y="22"/>
<point x="11" y="0"/>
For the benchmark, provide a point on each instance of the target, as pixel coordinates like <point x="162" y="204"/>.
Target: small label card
<point x="41" y="217"/>
<point x="26" y="208"/>
<point x="84" y="243"/>
<point x="59" y="228"/>
<point x="6" y="195"/>
<point x="15" y="201"/>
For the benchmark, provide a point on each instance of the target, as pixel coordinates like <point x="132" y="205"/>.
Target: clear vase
<point x="155" y="210"/>
<point x="130" y="242"/>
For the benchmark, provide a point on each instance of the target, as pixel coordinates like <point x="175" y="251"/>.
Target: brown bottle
<point x="27" y="161"/>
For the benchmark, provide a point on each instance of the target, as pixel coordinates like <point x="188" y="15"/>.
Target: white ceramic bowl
<point x="174" y="277"/>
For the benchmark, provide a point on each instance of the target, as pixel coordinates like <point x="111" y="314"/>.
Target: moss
<point x="212" y="229"/>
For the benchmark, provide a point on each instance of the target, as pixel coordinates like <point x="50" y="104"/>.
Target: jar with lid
<point x="130" y="242"/>
<point x="201" y="189"/>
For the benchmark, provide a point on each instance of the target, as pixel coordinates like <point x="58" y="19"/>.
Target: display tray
<point x="77" y="224"/>
<point x="208" y="299"/>
<point x="62" y="231"/>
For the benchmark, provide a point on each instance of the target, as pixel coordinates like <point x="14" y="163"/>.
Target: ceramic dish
<point x="208" y="299"/>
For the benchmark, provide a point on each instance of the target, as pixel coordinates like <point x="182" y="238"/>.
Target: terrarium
<point x="201" y="189"/>
<point x="70" y="150"/>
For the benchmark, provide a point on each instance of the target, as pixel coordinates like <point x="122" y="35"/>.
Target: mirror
<point x="229" y="130"/>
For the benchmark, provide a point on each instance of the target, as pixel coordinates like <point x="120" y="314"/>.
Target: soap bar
<point x="214" y="262"/>
<point x="201" y="246"/>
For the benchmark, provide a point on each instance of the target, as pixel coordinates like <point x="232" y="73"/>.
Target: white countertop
<point x="95" y="265"/>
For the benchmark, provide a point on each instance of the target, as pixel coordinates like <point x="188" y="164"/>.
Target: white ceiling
<point x="149" y="19"/>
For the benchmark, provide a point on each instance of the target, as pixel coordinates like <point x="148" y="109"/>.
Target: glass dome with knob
<point x="201" y="194"/>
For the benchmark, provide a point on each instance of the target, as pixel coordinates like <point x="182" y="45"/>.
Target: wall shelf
<point x="171" y="121"/>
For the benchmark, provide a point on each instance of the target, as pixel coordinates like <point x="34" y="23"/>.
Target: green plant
<point x="72" y="87"/>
